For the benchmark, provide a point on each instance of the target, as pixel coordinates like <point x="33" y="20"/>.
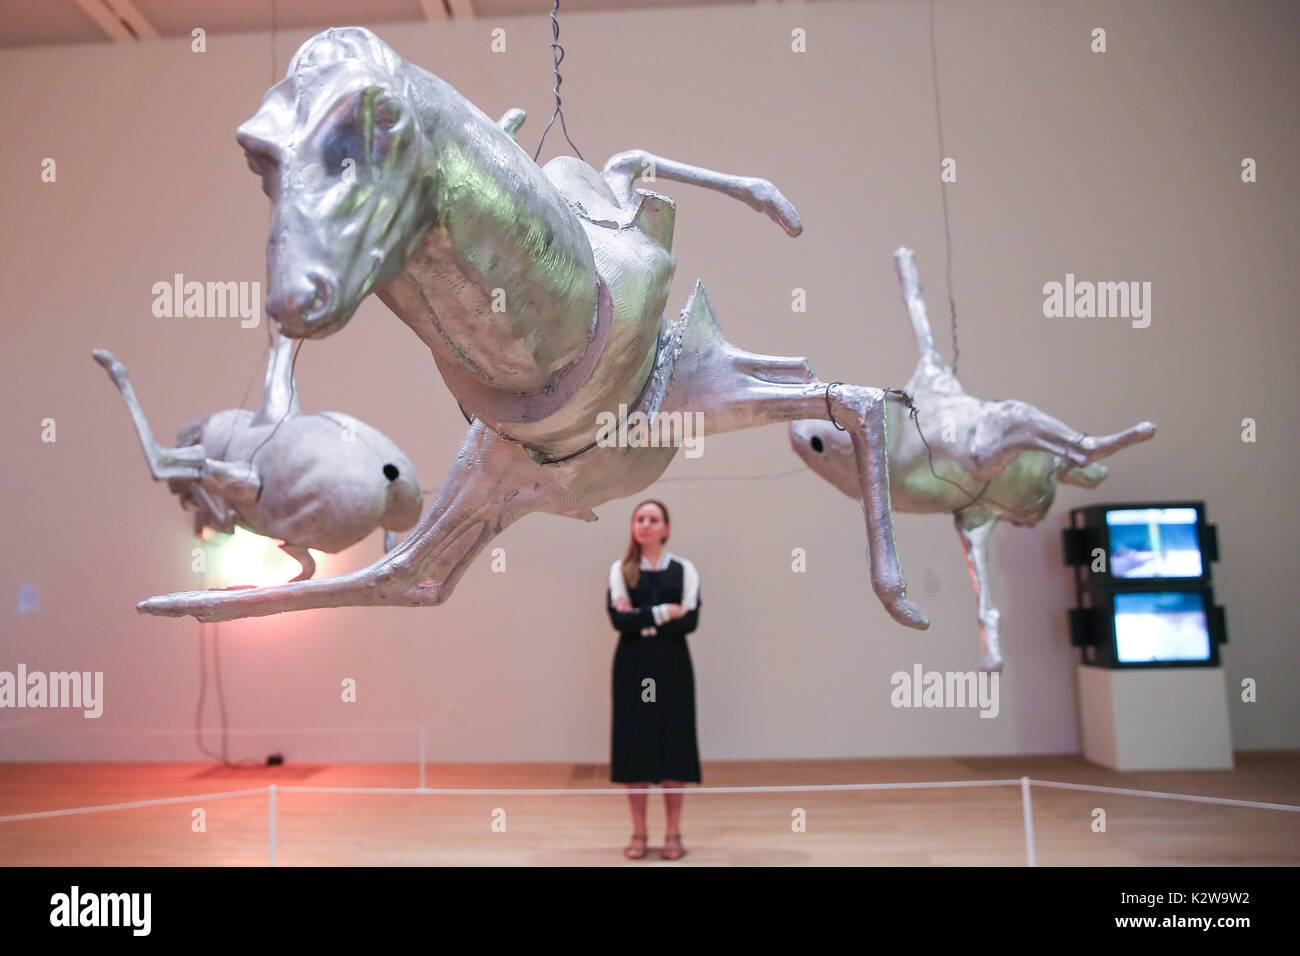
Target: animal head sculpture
<point x="344" y="168"/>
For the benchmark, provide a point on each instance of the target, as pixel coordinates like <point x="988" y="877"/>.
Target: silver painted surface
<point x="985" y="461"/>
<point x="323" y="480"/>
<point x="540" y="293"/>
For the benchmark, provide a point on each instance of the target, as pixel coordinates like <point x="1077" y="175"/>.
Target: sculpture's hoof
<point x="178" y="604"/>
<point x="1089" y="476"/>
<point x="908" y="613"/>
<point x="991" y="663"/>
<point x="108" y="360"/>
<point x="210" y="606"/>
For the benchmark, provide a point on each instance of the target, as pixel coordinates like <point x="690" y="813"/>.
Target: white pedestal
<point x="1155" y="718"/>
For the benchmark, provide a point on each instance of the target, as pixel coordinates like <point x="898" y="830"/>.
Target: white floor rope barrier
<point x="1024" y="783"/>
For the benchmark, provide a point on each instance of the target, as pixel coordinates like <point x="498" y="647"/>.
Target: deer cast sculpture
<point x="321" y="481"/>
<point x="978" y="461"/>
<point x="541" y="294"/>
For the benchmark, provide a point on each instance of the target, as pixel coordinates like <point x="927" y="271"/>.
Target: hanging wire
<point x="914" y="413"/>
<point x="234" y="419"/>
<point x="274" y="30"/>
<point x="293" y="392"/>
<point x="801" y="470"/>
<point x="829" y="412"/>
<point x="267" y="351"/>
<point x="943" y="191"/>
<point x="558" y="52"/>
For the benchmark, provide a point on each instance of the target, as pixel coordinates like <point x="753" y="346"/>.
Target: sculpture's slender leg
<point x="1088" y="477"/>
<point x="279" y="391"/>
<point x="974" y="528"/>
<point x="931" y="370"/>
<point x="210" y="510"/>
<point x="1005" y="429"/>
<point x="734" y="389"/>
<point x="492" y="483"/>
<point x="511" y="120"/>
<point x="870" y="450"/>
<point x="623" y="169"/>
<point x="163" y="462"/>
<point x="1010" y="427"/>
<point x="303" y="557"/>
<point x="359" y="588"/>
<point x="861" y="411"/>
<point x="236" y="482"/>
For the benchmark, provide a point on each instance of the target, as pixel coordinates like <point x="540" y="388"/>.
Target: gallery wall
<point x="1115" y="166"/>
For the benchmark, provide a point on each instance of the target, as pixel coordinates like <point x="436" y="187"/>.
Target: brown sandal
<point x="634" y="852"/>
<point x="673" y="849"/>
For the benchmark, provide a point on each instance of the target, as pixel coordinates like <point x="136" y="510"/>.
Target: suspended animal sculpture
<point x="540" y="293"/>
<point x="978" y="461"/>
<point x="323" y="481"/>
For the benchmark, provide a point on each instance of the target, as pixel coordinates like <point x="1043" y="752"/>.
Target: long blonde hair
<point x="632" y="557"/>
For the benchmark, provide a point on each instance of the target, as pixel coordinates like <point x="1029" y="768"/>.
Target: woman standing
<point x="654" y="602"/>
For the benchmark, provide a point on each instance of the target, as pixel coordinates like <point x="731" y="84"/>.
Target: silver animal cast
<point x="978" y="461"/>
<point x="322" y="481"/>
<point x="539" y="292"/>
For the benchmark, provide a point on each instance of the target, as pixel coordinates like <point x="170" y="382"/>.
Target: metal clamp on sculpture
<point x="385" y="179"/>
<point x="978" y="461"/>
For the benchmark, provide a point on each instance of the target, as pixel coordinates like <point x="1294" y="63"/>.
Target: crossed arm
<point x="627" y="618"/>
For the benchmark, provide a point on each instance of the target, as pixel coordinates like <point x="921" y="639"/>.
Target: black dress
<point x="653" y="735"/>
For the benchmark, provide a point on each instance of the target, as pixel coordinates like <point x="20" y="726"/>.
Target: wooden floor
<point x="944" y="827"/>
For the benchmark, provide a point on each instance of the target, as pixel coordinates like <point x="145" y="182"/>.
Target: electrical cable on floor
<point x="224" y="756"/>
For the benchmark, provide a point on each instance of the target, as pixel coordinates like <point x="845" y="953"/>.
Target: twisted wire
<point x="558" y="53"/>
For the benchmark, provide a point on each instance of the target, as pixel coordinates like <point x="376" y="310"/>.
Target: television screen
<point x="1152" y="627"/>
<point x="1154" y="542"/>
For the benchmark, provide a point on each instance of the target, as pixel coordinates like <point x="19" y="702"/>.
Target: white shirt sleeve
<point x="690" y="586"/>
<point x="617" y="586"/>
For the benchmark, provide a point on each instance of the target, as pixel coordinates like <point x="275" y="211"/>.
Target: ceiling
<point x="25" y="23"/>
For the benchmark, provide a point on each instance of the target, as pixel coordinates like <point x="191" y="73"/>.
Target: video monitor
<point x="1149" y="543"/>
<point x="1161" y="627"/>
